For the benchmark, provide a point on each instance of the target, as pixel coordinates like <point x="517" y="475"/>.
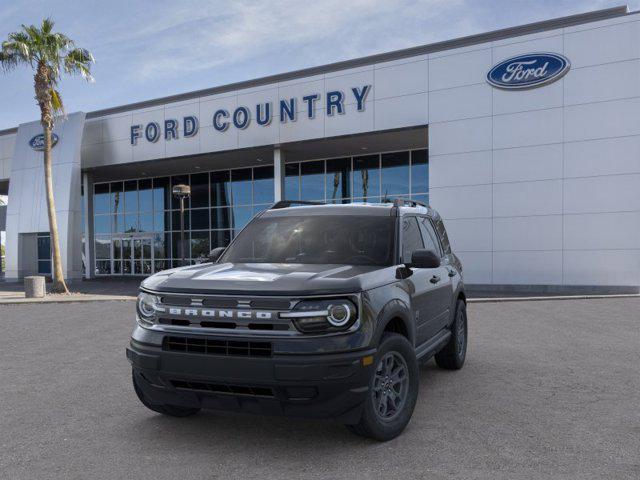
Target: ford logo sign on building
<point x="528" y="71"/>
<point x="37" y="142"/>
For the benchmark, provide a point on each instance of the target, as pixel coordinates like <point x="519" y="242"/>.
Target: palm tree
<point x="48" y="54"/>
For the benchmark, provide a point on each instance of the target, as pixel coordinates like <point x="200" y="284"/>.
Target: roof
<point x="504" y="33"/>
<point x="355" y="208"/>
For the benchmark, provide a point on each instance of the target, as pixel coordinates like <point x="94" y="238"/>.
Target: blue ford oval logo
<point x="528" y="71"/>
<point x="37" y="142"/>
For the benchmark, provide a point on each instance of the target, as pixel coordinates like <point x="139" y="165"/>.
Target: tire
<point x="169" y="410"/>
<point x="380" y="420"/>
<point x="452" y="356"/>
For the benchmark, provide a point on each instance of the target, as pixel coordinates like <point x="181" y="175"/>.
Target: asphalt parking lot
<point x="551" y="389"/>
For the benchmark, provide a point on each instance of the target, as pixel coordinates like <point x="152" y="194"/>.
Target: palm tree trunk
<point x="59" y="285"/>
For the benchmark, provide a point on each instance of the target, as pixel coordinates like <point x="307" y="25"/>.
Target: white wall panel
<point x="471" y="168"/>
<point x="527" y="198"/>
<point x="119" y="151"/>
<point x="212" y="140"/>
<point x="117" y="127"/>
<point x="470" y="234"/>
<point x="352" y="121"/>
<point x="459" y="103"/>
<point x="599" y="83"/>
<point x="509" y="101"/>
<point x="602" y="157"/>
<point x="601" y="120"/>
<point x="549" y="41"/>
<point x="403" y="79"/>
<point x="210" y="105"/>
<point x="398" y="112"/>
<point x="540" y="162"/>
<point x="530" y="268"/>
<point x="602" y="267"/>
<point x="613" y="193"/>
<point x="528" y="128"/>
<point x="460" y="136"/>
<point x="462" y="202"/>
<point x="528" y="233"/>
<point x="92" y="132"/>
<point x="302" y="129"/>
<point x="459" y="69"/>
<point x="603" y="45"/>
<point x="345" y="83"/>
<point x="476" y="267"/>
<point x="602" y="231"/>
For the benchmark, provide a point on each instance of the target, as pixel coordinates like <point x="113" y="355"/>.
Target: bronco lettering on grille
<point x="215" y="313"/>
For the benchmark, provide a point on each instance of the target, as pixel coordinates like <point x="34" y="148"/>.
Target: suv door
<point x="443" y="289"/>
<point x="420" y="286"/>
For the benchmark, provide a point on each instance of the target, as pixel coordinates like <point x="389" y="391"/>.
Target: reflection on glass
<point x="146" y="222"/>
<point x="177" y="180"/>
<point x="176" y="243"/>
<point x="160" y="220"/>
<point x="145" y="195"/>
<point x="200" y="190"/>
<point x="366" y="177"/>
<point x="292" y="181"/>
<point x="241" y="186"/>
<point x="101" y="198"/>
<point x="419" y="171"/>
<point x="199" y="244"/>
<point x="220" y="238"/>
<point x="200" y="219"/>
<point x="220" y="218"/>
<point x="263" y="185"/>
<point x="159" y="242"/>
<point x="130" y="196"/>
<point x="338" y="179"/>
<point x="131" y="222"/>
<point x="103" y="247"/>
<point x="117" y="268"/>
<point x="116" y="197"/>
<point x="117" y="248"/>
<point x="161" y="194"/>
<point x="240" y="216"/>
<point x="175" y="220"/>
<point x="102" y="224"/>
<point x="220" y="190"/>
<point x="103" y="267"/>
<point x="117" y="223"/>
<point x="395" y="173"/>
<point x="312" y="180"/>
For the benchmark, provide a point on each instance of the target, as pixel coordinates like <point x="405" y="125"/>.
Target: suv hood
<point x="270" y="279"/>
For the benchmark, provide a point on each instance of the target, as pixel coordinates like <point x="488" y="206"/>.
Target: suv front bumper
<point x="331" y="385"/>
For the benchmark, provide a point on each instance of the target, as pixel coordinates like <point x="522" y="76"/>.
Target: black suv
<point x="320" y="311"/>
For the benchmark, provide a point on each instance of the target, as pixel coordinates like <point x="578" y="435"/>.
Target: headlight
<point x="319" y="316"/>
<point x="146" y="308"/>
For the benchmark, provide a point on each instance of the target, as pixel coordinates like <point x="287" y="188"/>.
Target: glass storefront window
<point x="145" y="195"/>
<point x="292" y="181"/>
<point x="263" y="185"/>
<point x="395" y="173"/>
<point x="366" y="177"/>
<point x="241" y="186"/>
<point x="223" y="202"/>
<point x="312" y="180"/>
<point x="200" y="190"/>
<point x="338" y="180"/>
<point x="178" y="180"/>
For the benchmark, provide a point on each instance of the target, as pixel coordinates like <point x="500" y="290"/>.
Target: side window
<point x="442" y="234"/>
<point x="411" y="238"/>
<point x="429" y="236"/>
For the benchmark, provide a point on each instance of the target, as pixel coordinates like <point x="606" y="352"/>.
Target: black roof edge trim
<point x="503" y="33"/>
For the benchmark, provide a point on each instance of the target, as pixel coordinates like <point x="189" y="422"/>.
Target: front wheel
<point x="170" y="410"/>
<point x="393" y="390"/>
<point x="452" y="356"/>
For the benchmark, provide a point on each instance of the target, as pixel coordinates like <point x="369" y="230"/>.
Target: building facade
<point x="526" y="140"/>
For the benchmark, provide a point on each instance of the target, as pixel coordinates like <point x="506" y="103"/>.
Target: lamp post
<point x="181" y="192"/>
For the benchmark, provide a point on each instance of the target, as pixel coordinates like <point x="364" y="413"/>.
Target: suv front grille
<point x="223" y="388"/>
<point x="208" y="346"/>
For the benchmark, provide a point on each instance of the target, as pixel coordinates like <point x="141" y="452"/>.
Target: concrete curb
<point x="69" y="299"/>
<point x="550" y="298"/>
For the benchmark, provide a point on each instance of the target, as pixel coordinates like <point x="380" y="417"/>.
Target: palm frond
<point x="56" y="101"/>
<point x="78" y="62"/>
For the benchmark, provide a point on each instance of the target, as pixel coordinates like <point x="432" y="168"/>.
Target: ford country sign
<point x="37" y="142"/>
<point x="528" y="71"/>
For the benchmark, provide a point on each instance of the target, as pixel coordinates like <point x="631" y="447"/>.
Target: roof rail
<point x="404" y="202"/>
<point x="290" y="203"/>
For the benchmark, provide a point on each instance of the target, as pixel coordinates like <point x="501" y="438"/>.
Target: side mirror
<point x="214" y="254"/>
<point x="423" y="258"/>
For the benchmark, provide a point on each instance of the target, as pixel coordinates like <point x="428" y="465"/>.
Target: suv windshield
<point x="318" y="239"/>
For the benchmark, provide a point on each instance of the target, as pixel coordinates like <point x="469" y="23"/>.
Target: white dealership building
<point x="526" y="140"/>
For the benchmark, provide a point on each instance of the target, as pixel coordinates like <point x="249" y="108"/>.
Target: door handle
<point x="435" y="279"/>
<point x="452" y="272"/>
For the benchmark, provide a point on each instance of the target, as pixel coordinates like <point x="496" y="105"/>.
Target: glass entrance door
<point x="132" y="255"/>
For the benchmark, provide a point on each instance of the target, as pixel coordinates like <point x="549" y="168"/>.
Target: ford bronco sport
<point x="320" y="311"/>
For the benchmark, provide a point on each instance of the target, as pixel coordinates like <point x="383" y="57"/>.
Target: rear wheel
<point x="393" y="390"/>
<point x="452" y="356"/>
<point x="170" y="410"/>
